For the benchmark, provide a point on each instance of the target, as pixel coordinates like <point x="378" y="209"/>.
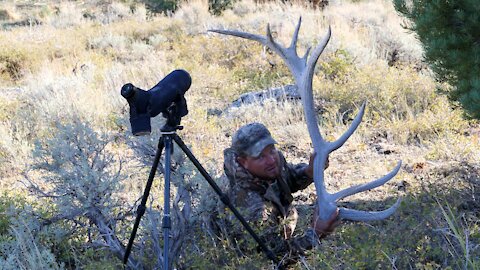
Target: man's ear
<point x="242" y="161"/>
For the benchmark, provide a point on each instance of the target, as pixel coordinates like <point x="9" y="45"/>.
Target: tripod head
<point x="173" y="116"/>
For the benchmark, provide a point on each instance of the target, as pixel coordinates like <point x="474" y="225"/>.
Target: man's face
<point x="265" y="166"/>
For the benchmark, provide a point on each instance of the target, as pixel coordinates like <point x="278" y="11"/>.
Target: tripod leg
<point x="166" y="209"/>
<point x="141" y="208"/>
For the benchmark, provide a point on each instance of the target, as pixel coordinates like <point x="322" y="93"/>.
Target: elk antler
<point x="302" y="69"/>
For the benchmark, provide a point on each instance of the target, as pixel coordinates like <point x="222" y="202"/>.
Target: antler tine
<point x="371" y="185"/>
<point x="307" y="95"/>
<point x="254" y="37"/>
<point x="312" y="61"/>
<point x="293" y="44"/>
<point x="295" y="65"/>
<point x="270" y="42"/>
<point x="356" y="215"/>
<point x="355" y="123"/>
<point x="289" y="55"/>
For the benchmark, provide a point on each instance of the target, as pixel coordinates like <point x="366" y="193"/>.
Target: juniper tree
<point x="450" y="33"/>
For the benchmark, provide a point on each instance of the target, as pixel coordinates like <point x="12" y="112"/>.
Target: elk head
<point x="302" y="69"/>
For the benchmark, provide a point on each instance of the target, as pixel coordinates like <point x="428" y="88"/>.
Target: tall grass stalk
<point x="461" y="235"/>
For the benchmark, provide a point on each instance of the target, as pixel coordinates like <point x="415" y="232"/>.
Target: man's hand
<point x="323" y="228"/>
<point x="309" y="168"/>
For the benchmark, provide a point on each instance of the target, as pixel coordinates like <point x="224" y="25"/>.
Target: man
<point x="261" y="185"/>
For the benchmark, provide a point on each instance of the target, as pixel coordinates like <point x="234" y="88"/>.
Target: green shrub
<point x="19" y="58"/>
<point x="21" y="245"/>
<point x="337" y="67"/>
<point x="216" y="7"/>
<point x="162" y="6"/>
<point x="8" y="204"/>
<point x="13" y="64"/>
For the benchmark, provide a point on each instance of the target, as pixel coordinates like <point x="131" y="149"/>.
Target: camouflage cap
<point x="251" y="139"/>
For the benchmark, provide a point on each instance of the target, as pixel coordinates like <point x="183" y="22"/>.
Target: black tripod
<point x="165" y="141"/>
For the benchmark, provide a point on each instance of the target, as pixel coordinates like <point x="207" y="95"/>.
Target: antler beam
<point x="302" y="69"/>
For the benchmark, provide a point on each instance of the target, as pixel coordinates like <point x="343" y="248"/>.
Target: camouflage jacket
<point x="267" y="205"/>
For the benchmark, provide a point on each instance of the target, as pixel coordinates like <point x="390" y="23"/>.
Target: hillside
<point x="72" y="173"/>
